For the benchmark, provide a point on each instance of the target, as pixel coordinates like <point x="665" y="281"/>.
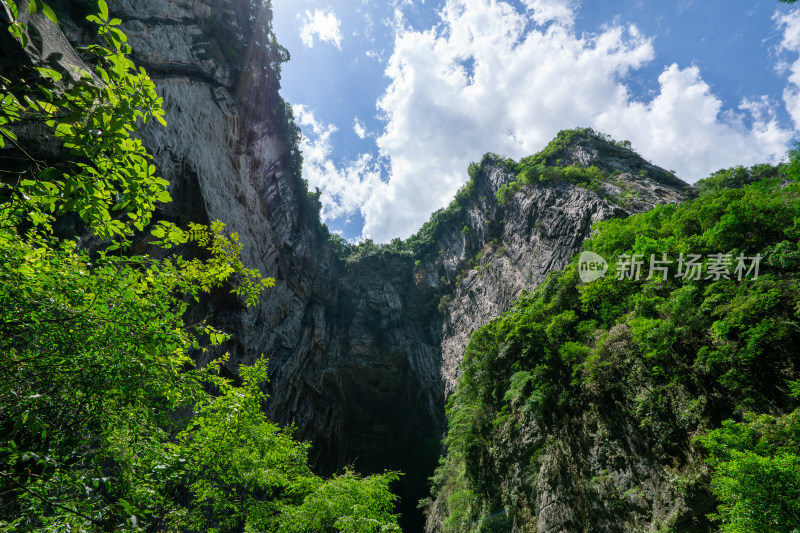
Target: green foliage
<point x="338" y="244"/>
<point x="444" y="303"/>
<point x="738" y="177"/>
<point x="757" y="472"/>
<point x="539" y="168"/>
<point x="348" y="503"/>
<point x="571" y="174"/>
<point x="529" y="168"/>
<point x="109" y="173"/>
<point x="792" y="167"/>
<point x="507" y="191"/>
<point x="105" y="422"/>
<point x="673" y="356"/>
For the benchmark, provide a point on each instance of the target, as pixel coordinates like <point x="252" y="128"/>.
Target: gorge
<point x="364" y="342"/>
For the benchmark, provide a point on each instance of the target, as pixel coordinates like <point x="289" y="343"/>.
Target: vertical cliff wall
<point x="362" y="351"/>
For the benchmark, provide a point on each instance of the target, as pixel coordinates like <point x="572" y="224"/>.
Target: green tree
<point x="109" y="180"/>
<point x="757" y="473"/>
<point x="106" y="423"/>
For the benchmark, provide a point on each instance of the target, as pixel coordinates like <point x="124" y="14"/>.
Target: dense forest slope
<point x="581" y="407"/>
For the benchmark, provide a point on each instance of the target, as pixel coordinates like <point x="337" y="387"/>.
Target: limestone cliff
<point x="362" y="351"/>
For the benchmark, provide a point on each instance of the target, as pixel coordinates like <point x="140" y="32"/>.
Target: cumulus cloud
<point x="359" y="129"/>
<point x="524" y="86"/>
<point x="546" y="10"/>
<point x="790" y="24"/>
<point x="344" y="189"/>
<point x="483" y="79"/>
<point x="684" y="127"/>
<point x="324" y="25"/>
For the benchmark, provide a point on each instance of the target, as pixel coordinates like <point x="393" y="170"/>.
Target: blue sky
<point x="396" y="98"/>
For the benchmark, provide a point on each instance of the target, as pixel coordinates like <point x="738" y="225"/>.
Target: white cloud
<point x="368" y="25"/>
<point x="374" y="54"/>
<point x="547" y="10"/>
<point x="684" y="127"/>
<point x="482" y="80"/>
<point x="344" y="190"/>
<point x="324" y="25"/>
<point x="790" y="24"/>
<point x="527" y="86"/>
<point x="359" y="129"/>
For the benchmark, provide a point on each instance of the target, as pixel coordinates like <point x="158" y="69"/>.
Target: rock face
<point x="362" y="352"/>
<point x="539" y="229"/>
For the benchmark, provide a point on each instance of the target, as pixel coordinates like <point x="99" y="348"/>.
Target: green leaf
<point x="7" y="133"/>
<point x="31" y="103"/>
<point x="50" y="174"/>
<point x="49" y="73"/>
<point x="123" y="502"/>
<point x="103" y="74"/>
<point x="159" y="232"/>
<point x="103" y="10"/>
<point x="794" y="388"/>
<point x="18" y="30"/>
<point x="48" y="11"/>
<point x="47" y="107"/>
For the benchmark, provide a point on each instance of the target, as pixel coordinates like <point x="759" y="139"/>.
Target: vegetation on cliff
<point x="106" y="423"/>
<point x="421" y="243"/>
<point x="648" y="364"/>
<point x="543" y="167"/>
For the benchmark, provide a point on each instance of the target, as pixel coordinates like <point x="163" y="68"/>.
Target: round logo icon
<point x="591" y="267"/>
